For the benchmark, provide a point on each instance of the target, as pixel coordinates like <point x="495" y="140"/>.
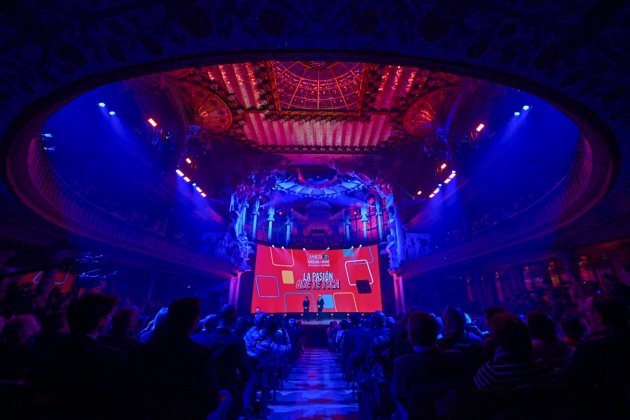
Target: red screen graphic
<point x="347" y="279"/>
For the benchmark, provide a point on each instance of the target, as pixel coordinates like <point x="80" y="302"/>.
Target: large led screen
<point x="347" y="280"/>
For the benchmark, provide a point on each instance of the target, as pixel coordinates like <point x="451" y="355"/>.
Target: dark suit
<point x="423" y="381"/>
<point x="79" y="378"/>
<point x="175" y="378"/>
<point x="320" y="306"/>
<point x="307" y="305"/>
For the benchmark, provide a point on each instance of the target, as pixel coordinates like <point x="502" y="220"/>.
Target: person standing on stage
<point x="320" y="306"/>
<point x="307" y="305"/>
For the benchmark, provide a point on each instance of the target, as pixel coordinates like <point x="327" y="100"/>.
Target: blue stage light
<point x="525" y="107"/>
<point x="101" y="104"/>
<point x="516" y="114"/>
<point x="112" y="113"/>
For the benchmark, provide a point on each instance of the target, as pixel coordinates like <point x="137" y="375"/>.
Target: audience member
<point x="157" y="321"/>
<point x="573" y="330"/>
<point x="513" y="363"/>
<point x="604" y="357"/>
<point x="229" y="357"/>
<point x="175" y="376"/>
<point x="16" y="347"/>
<point x="546" y="344"/>
<point x="423" y="382"/>
<point x="122" y="333"/>
<point x="456" y="336"/>
<point x="81" y="378"/>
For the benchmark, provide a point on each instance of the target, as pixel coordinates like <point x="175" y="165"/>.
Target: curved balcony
<point x="578" y="191"/>
<point x="43" y="190"/>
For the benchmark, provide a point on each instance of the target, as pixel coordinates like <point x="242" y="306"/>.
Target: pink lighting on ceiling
<point x="152" y="122"/>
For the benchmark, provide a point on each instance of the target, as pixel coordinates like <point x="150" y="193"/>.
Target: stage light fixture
<point x="186" y="179"/>
<point x="525" y="107"/>
<point x="516" y="114"/>
<point x="360" y="245"/>
<point x="480" y="127"/>
<point x="431" y="195"/>
<point x="282" y="246"/>
<point x="178" y="172"/>
<point x="112" y="113"/>
<point x="447" y="180"/>
<point x="188" y="161"/>
<point x="443" y="166"/>
<point x="327" y="248"/>
<point x="203" y="195"/>
<point x="101" y="104"/>
<point x="199" y="189"/>
<point x="435" y="191"/>
<point x="152" y="122"/>
<point x="194" y="184"/>
<point x="419" y="192"/>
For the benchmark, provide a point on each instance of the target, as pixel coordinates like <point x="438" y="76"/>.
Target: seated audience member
<point x="255" y="332"/>
<point x="573" y="330"/>
<point x="159" y="318"/>
<point x="122" y="333"/>
<point x="174" y="376"/>
<point x="81" y="378"/>
<point x="424" y="381"/>
<point x="16" y="346"/>
<point x="229" y="356"/>
<point x="546" y="344"/>
<point x="331" y="334"/>
<point x="488" y="345"/>
<point x="264" y="351"/>
<point x="457" y="338"/>
<point x="513" y="363"/>
<point x="611" y="286"/>
<point x="604" y="357"/>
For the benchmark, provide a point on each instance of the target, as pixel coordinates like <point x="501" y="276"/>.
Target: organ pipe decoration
<point x="314" y="207"/>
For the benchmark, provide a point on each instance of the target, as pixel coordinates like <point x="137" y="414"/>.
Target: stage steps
<point x="315" y="389"/>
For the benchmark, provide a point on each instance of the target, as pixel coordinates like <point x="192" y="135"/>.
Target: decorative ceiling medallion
<point x="318" y="85"/>
<point x="205" y="107"/>
<point x="426" y="114"/>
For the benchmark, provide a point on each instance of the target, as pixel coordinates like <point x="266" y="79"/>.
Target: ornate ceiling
<point x="320" y="107"/>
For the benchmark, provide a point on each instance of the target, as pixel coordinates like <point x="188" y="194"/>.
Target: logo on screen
<point x="318" y="260"/>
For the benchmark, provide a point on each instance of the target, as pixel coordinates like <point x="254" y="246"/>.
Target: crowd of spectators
<point x="429" y="365"/>
<point x="90" y="358"/>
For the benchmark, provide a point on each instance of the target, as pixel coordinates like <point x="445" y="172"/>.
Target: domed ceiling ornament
<point x="205" y="108"/>
<point x="426" y="114"/>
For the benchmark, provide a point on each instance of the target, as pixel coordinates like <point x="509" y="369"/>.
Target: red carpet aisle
<point x="315" y="389"/>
